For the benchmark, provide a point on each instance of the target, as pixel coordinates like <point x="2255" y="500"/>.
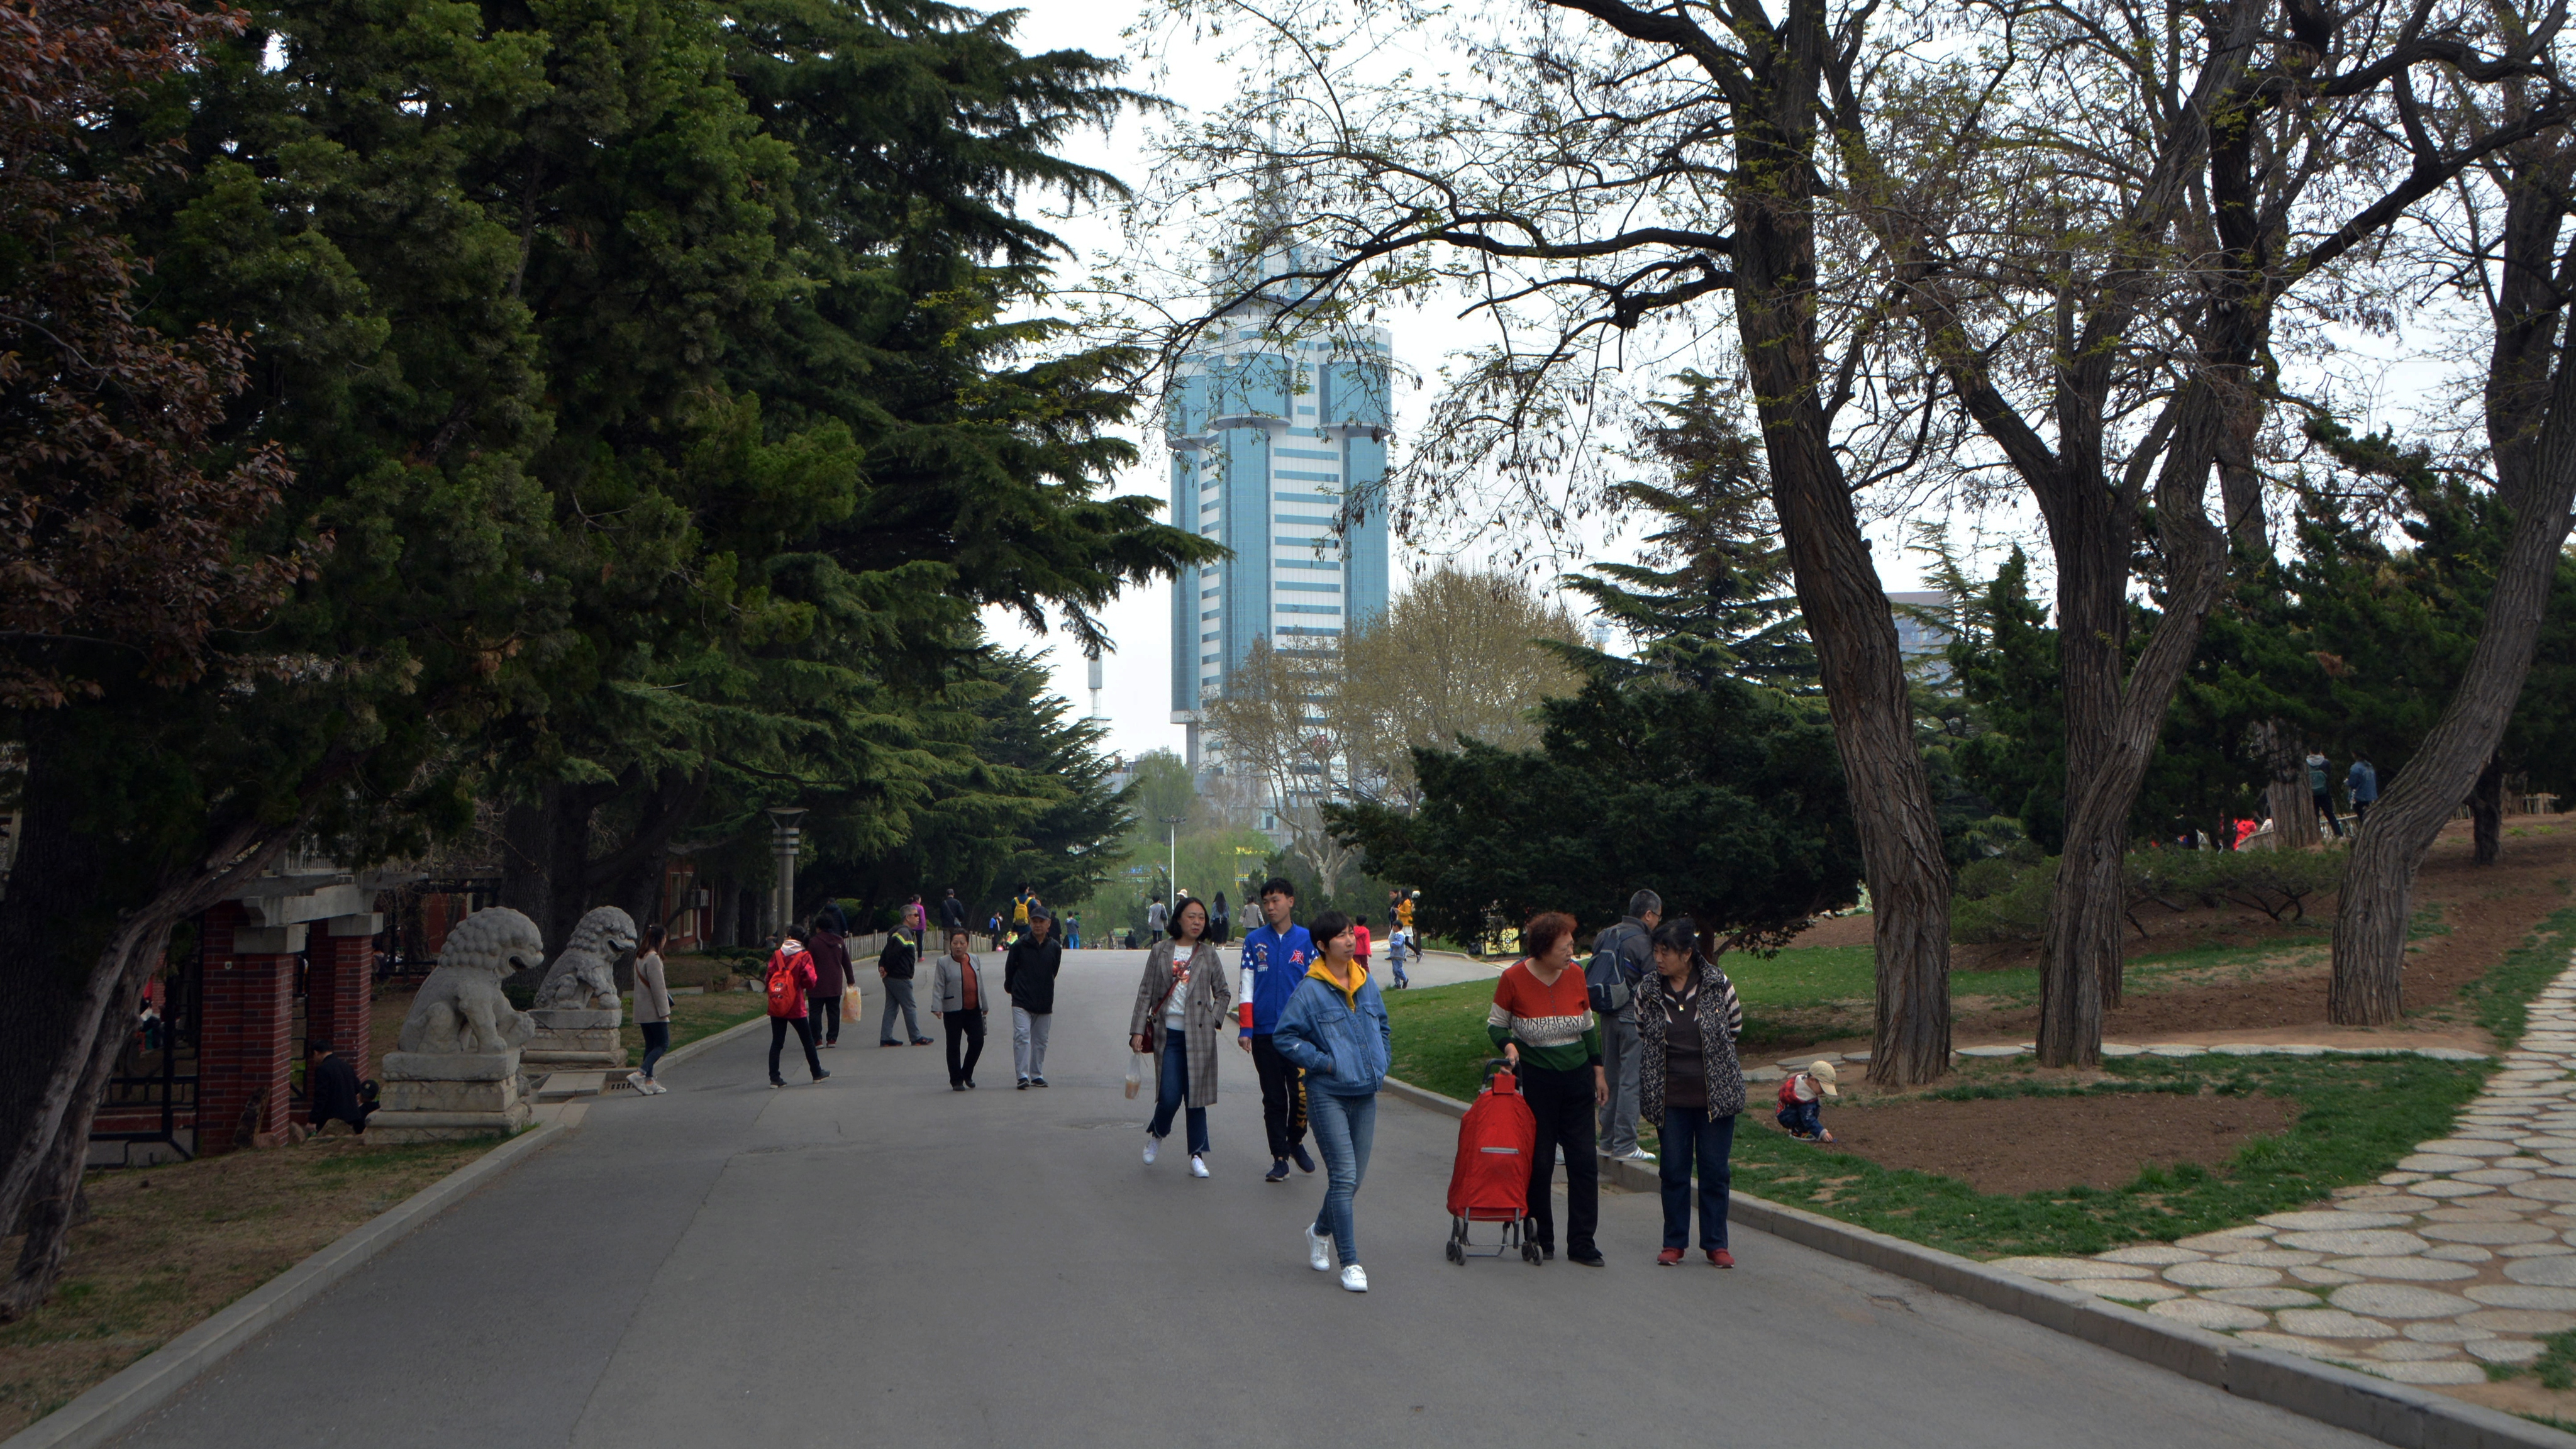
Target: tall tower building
<point x="1278" y="450"/>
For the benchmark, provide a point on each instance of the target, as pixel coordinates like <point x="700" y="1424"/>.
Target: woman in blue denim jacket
<point x="1335" y="1028"/>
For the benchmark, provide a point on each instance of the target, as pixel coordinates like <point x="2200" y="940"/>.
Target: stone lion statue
<point x="585" y="975"/>
<point x="460" y="1007"/>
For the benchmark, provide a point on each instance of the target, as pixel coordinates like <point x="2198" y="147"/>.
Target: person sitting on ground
<point x="337" y="1094"/>
<point x="1802" y="1101"/>
<point x="1334" y="1029"/>
<point x="958" y="999"/>
<point x="1691" y="1085"/>
<point x="652" y="1012"/>
<point x="1181" y="1005"/>
<point x="1542" y="1018"/>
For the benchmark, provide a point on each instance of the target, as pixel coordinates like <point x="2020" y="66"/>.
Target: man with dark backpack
<point x="1622" y="957"/>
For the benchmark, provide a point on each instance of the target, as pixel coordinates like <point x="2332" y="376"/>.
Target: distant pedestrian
<point x="1360" y="932"/>
<point x="1396" y="942"/>
<point x="1334" y="1028"/>
<point x="829" y="943"/>
<point x="1274" y="960"/>
<point x="1802" y="1101"/>
<point x="1692" y="1086"/>
<point x="952" y="912"/>
<point x="958" y="999"/>
<point x="1021" y="905"/>
<point x="1622" y="957"/>
<point x="1073" y="930"/>
<point x="916" y="919"/>
<point x="1543" y="1020"/>
<point x="1404" y="913"/>
<point x="993" y="930"/>
<point x="791" y="977"/>
<point x="1221" y="925"/>
<point x="2361" y="782"/>
<point x="1181" y="1005"/>
<point x="894" y="968"/>
<point x="1028" y="975"/>
<point x="1156" y="918"/>
<point x="652" y="1012"/>
<point x="2322" y="792"/>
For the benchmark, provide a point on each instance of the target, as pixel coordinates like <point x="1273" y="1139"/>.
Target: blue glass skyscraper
<point x="1279" y="453"/>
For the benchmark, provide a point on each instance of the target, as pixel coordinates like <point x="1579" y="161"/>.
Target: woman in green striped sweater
<point x="1542" y="1019"/>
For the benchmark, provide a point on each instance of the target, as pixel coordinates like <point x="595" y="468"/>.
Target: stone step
<point x="561" y="1086"/>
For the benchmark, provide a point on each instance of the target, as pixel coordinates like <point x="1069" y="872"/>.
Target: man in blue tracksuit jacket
<point x="1275" y="957"/>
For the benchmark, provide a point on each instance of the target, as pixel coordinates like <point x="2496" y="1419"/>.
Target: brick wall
<point x="339" y="985"/>
<point x="249" y="1015"/>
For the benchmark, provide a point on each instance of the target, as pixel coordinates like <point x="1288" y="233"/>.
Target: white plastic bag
<point x="1135" y="1074"/>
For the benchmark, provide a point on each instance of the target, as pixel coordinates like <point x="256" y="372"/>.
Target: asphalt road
<point x="878" y="1260"/>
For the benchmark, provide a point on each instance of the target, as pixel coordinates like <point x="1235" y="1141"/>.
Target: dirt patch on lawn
<point x="2034" y="1144"/>
<point x="165" y="1247"/>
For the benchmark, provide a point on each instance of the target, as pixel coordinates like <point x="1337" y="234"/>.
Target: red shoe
<point x="1720" y="1258"/>
<point x="1669" y="1258"/>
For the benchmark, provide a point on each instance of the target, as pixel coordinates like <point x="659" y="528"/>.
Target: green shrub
<point x="2275" y="882"/>
<point x="2003" y="901"/>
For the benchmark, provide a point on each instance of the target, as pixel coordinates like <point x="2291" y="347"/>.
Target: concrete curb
<point x="109" y="1409"/>
<point x="2388" y="1411"/>
<point x="683" y="1053"/>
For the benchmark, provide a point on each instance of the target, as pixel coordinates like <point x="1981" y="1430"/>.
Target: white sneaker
<point x="1636" y="1154"/>
<point x="1319" y="1250"/>
<point x="643" y="1085"/>
<point x="1151" y="1143"/>
<point x="1198" y="1165"/>
<point x="658" y="1088"/>
<point x="1355" y="1278"/>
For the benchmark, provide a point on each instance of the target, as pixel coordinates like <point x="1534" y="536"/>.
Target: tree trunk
<point x="727" y="900"/>
<point x="2294" y="812"/>
<point x="1846" y="609"/>
<point x="527" y="855"/>
<point x="2486" y="812"/>
<point x="2379" y="881"/>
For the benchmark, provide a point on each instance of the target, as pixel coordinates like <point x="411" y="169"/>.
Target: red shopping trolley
<point x="1490" y="1183"/>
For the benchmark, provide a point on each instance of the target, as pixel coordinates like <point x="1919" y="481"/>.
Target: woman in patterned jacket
<point x="1690" y="1084"/>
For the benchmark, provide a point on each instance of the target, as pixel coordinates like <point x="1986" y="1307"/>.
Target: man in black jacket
<point x="952" y="912"/>
<point x="1028" y="976"/>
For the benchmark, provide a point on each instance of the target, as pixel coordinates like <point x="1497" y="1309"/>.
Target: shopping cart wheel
<point x="1457" y="1254"/>
<point x="1529" y="1254"/>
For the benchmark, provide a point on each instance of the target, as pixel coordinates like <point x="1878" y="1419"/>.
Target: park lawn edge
<point x="2358" y="1116"/>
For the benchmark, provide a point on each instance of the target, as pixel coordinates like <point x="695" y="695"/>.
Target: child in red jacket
<point x="791" y="975"/>
<point x="1802" y="1105"/>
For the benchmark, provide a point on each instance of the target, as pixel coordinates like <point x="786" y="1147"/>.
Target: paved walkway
<point x="2459" y="1259"/>
<point x="878" y="1260"/>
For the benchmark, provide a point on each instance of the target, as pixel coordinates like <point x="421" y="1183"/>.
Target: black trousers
<point x="823" y="1008"/>
<point x="965" y="1028"/>
<point x="1283" y="1097"/>
<point x="1564" y="1105"/>
<point x="778" y="1026"/>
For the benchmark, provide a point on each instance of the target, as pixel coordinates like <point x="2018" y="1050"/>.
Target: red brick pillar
<point x="249" y="1017"/>
<point x="339" y="987"/>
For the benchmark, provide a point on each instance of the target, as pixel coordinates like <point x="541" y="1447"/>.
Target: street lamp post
<point x="784" y="841"/>
<point x="1172" y="874"/>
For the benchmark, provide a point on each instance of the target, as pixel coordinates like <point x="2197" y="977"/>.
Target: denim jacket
<point x="1342" y="1040"/>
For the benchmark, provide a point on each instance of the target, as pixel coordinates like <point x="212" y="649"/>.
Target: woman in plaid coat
<point x="1690" y="1084"/>
<point x="1182" y="1005"/>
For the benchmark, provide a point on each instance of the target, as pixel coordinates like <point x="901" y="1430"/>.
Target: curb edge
<point x="110" y="1408"/>
<point x="2384" y="1409"/>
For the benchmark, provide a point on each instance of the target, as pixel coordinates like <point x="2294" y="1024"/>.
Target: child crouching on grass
<point x="1802" y="1106"/>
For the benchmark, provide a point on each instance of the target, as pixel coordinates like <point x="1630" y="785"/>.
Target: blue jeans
<point x="1343" y="1127"/>
<point x="1689" y="1134"/>
<point x="1171" y="1087"/>
<point x="1806" y="1117"/>
<point x="657" y="1040"/>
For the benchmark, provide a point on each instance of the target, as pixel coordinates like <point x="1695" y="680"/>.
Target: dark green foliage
<point x="1726" y="799"/>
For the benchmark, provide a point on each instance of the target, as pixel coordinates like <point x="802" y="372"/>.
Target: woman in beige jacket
<point x="1181" y="1009"/>
<point x="652" y="1012"/>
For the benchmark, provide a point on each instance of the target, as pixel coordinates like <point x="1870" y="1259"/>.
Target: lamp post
<point x="1172" y="873"/>
<point x="784" y="840"/>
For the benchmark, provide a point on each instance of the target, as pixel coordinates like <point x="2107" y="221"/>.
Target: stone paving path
<point x="2459" y="1259"/>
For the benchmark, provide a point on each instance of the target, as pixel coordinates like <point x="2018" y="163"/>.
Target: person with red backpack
<point x="791" y="975"/>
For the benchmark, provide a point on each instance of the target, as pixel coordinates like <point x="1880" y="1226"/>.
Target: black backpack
<point x="1603" y="980"/>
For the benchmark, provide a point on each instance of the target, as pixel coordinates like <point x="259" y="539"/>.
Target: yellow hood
<point x="1350" y="993"/>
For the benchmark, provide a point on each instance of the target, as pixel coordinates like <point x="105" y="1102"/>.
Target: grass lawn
<point x="695" y="1017"/>
<point x="164" y="1247"/>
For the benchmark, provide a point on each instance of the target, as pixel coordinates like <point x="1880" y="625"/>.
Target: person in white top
<point x="652" y="1012"/>
<point x="1182" y="1004"/>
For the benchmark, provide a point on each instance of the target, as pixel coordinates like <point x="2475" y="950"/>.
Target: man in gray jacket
<point x="1622" y="957"/>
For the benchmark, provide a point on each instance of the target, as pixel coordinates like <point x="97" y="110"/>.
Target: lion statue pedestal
<point x="577" y="1011"/>
<point x="457" y="1073"/>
